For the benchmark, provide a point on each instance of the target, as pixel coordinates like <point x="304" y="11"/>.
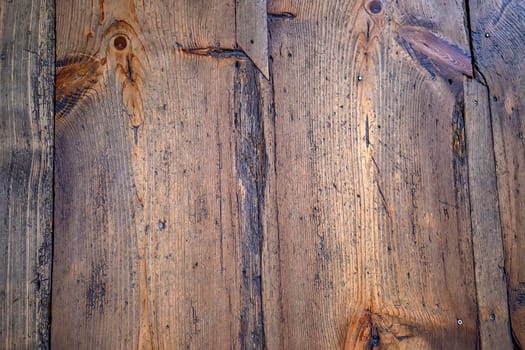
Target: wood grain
<point x="491" y="285"/>
<point x="372" y="178"/>
<point x="498" y="41"/>
<point x="251" y="26"/>
<point x="26" y="172"/>
<point x="160" y="147"/>
<point x="289" y="175"/>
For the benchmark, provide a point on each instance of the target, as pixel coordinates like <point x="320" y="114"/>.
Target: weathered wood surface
<point x="498" y="40"/>
<point x="487" y="241"/>
<point x="26" y="169"/>
<point x="251" y="27"/>
<point x="159" y="141"/>
<point x="375" y="242"/>
<point x="200" y="205"/>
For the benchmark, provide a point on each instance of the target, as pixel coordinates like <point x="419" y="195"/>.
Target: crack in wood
<point x="281" y="16"/>
<point x="216" y="52"/>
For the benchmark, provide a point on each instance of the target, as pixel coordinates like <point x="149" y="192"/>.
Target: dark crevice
<point x="367" y="132"/>
<point x="235" y="21"/>
<point x="473" y="257"/>
<point x="251" y="169"/>
<point x="219" y="178"/>
<point x="273" y="116"/>
<point x="129" y="69"/>
<point x="221" y="53"/>
<point x="135" y="129"/>
<point x="281" y="16"/>
<point x="46" y="292"/>
<point x="217" y="52"/>
<point x="374" y="333"/>
<point x="478" y="75"/>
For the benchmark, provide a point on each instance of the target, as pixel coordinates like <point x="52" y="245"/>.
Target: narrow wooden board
<point x="498" y="39"/>
<point x="491" y="285"/>
<point x="372" y="180"/>
<point x="159" y="177"/>
<point x="251" y="26"/>
<point x="26" y="171"/>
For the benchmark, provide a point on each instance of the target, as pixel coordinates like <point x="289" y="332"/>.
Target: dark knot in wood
<point x="120" y="42"/>
<point x="375" y="6"/>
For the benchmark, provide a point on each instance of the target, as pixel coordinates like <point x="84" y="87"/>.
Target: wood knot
<point x="120" y="42"/>
<point x="375" y="7"/>
<point x="76" y="78"/>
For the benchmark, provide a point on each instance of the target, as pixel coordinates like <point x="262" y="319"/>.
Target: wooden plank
<point x="159" y="139"/>
<point x="498" y="39"/>
<point x="251" y="25"/>
<point x="372" y="178"/>
<point x="26" y="169"/>
<point x="486" y="224"/>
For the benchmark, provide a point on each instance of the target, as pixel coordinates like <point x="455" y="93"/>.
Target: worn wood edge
<point x="251" y="31"/>
<point x="487" y="241"/>
<point x="497" y="38"/>
<point x="38" y="218"/>
<point x="46" y="224"/>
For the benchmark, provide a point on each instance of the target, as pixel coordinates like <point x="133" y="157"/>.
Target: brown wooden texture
<point x="26" y="170"/>
<point x="159" y="141"/>
<point x="375" y="242"/>
<point x="334" y="205"/>
<point x="251" y="27"/>
<point x="498" y="39"/>
<point x="491" y="285"/>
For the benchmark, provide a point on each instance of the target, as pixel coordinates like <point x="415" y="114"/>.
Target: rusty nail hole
<point x="120" y="42"/>
<point x="375" y="6"/>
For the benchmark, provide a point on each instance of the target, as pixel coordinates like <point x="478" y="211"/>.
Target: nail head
<point x="359" y="78"/>
<point x="460" y="322"/>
